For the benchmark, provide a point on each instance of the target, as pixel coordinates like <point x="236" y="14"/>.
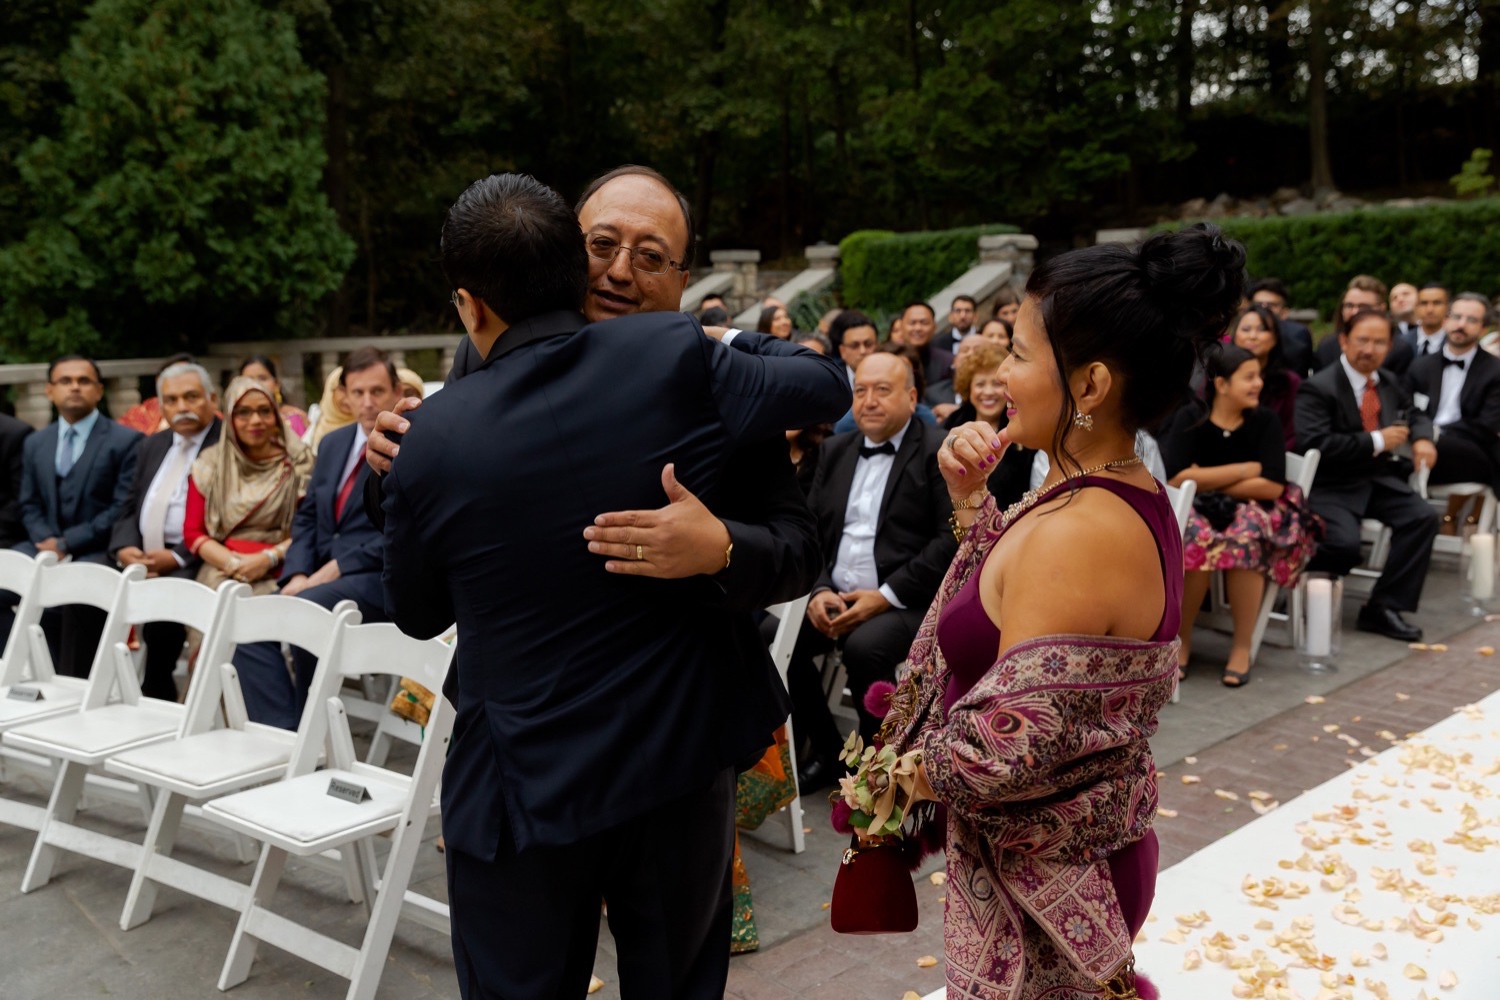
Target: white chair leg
<point x="1262" y="619"/>
<point x="242" y="946"/>
<point x="161" y="835"/>
<point x="62" y="807"/>
<point x="380" y="746"/>
<point x="246" y="850"/>
<point x="387" y="909"/>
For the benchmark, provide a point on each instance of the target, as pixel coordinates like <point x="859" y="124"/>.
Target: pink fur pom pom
<point x="878" y="698"/>
<point x="840" y="817"/>
<point x="1145" y="988"/>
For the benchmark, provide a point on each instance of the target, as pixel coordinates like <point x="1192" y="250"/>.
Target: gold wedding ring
<point x="638" y="556"/>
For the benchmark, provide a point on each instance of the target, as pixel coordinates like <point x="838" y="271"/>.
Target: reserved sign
<point x="348" y="791"/>
<point x="23" y="692"/>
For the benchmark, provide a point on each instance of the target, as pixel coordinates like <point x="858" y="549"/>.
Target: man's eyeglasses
<point x="83" y="382"/>
<point x="644" y="259"/>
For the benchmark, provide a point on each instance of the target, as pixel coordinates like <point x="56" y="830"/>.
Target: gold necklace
<point x="1030" y="497"/>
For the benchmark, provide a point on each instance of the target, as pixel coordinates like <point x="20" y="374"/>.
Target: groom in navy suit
<point x="600" y="715"/>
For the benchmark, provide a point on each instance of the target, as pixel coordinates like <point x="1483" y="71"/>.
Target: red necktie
<point x="1369" y="407"/>
<point x="348" y="487"/>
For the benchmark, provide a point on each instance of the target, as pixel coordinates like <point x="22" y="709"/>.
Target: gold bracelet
<point x="958" y="529"/>
<point x="728" y="555"/>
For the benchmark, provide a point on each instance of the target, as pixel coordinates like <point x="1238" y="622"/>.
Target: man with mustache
<point x="149" y="531"/>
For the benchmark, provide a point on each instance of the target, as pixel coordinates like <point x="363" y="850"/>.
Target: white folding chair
<point x="1181" y="499"/>
<point x="103" y="727"/>
<point x="300" y="816"/>
<point x="203" y="762"/>
<point x="1439" y="497"/>
<point x="1300" y="470"/>
<point x="21" y="575"/>
<point x="785" y="831"/>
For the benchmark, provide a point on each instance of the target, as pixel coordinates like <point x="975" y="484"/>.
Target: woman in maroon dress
<point x="1035" y="680"/>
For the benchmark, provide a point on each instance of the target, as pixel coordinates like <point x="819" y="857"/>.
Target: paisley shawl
<point x="1045" y="770"/>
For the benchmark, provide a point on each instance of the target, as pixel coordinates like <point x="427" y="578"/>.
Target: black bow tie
<point x="880" y="449"/>
<point x="1460" y="362"/>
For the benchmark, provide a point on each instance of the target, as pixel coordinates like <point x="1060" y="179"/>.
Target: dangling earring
<point x="1083" y="421"/>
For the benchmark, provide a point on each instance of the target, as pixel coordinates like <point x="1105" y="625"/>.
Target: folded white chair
<point x="1181" y="499"/>
<point x="30" y="690"/>
<point x="203" y="762"/>
<point x="299" y="816"/>
<point x="785" y="829"/>
<point x="103" y="727"/>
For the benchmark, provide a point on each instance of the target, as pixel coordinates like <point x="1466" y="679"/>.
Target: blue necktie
<point x="66" y="460"/>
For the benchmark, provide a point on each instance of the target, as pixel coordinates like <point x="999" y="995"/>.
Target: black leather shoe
<point x="1386" y="622"/>
<point x="818" y="773"/>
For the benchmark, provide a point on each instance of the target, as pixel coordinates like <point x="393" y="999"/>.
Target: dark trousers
<point x="73" y="632"/>
<point x="356" y="588"/>
<point x="1413" y="523"/>
<point x="164" y="642"/>
<point x="871" y="652"/>
<point x="266" y="683"/>
<point x="526" y="925"/>
<point x="1461" y="459"/>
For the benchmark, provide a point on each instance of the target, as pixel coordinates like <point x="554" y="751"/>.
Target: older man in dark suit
<point x="149" y="531"/>
<point x="77" y="477"/>
<point x="1360" y="417"/>
<point x="599" y="716"/>
<point x="882" y="513"/>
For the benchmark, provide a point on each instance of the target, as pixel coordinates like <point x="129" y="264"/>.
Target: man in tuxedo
<point x="961" y="321"/>
<point x="1458" y="389"/>
<point x="337" y="553"/>
<point x="1364" y="292"/>
<point x="854" y="335"/>
<point x="1359" y="416"/>
<point x="1403" y="302"/>
<point x="1296" y="339"/>
<point x="920" y="324"/>
<point x="77" y="475"/>
<point x="882" y="513"/>
<point x="1428" y="336"/>
<point x="149" y="531"/>
<point x="600" y="716"/>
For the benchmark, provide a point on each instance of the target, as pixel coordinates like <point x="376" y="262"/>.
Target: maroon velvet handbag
<point x="874" y="893"/>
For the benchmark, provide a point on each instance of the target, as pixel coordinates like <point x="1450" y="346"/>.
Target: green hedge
<point x="881" y="271"/>
<point x="1456" y="244"/>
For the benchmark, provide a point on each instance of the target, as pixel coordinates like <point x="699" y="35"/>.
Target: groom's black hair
<point x="512" y="242"/>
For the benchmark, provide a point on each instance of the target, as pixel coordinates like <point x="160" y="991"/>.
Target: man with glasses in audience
<point x="149" y="531"/>
<point x="75" y="481"/>
<point x="1364" y="292"/>
<point x="1458" y="388"/>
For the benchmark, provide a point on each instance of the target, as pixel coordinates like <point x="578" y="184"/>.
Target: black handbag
<point x="1218" y="509"/>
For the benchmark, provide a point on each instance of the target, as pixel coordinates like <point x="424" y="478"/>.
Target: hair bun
<point x="1199" y="275"/>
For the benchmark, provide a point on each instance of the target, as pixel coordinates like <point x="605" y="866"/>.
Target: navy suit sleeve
<point x="763" y="386"/>
<point x="302" y="554"/>
<point x="93" y="535"/>
<point x="815" y="500"/>
<point x="416" y="587"/>
<point x="777" y="557"/>
<point x="34" y="513"/>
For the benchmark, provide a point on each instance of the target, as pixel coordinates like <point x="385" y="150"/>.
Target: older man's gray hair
<point x="187" y="368"/>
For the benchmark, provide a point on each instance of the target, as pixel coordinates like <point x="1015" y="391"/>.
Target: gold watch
<point x="973" y="500"/>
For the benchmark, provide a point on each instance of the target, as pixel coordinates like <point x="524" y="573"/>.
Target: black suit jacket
<point x="1328" y="420"/>
<point x="1296" y="346"/>
<point x="1397" y="360"/>
<point x="587" y="698"/>
<point x="82" y="508"/>
<point x="13" y="435"/>
<point x="152" y="452"/>
<point x="318" y="536"/>
<point x="913" y="541"/>
<point x="1478" y="400"/>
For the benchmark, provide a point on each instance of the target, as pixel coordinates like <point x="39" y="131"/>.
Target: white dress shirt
<point x="854" y="569"/>
<point x="1453" y="385"/>
<point x="1357" y="383"/>
<point x="1429" y="343"/>
<point x="177" y="502"/>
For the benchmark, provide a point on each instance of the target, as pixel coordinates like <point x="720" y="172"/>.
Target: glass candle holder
<point x="1317" y="621"/>
<point x="1476" y="572"/>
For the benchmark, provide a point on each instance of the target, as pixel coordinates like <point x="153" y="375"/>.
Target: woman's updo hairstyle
<point x="1148" y="311"/>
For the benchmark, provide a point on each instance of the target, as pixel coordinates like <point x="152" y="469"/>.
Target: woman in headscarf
<point x="410" y="383"/>
<point x="241" y="497"/>
<point x="263" y="370"/>
<point x="331" y="412"/>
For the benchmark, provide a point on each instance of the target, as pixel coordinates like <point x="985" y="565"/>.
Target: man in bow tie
<point x="1458" y="387"/>
<point x="882" y="513"/>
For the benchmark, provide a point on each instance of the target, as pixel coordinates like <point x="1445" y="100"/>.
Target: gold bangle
<point x="728" y="555"/>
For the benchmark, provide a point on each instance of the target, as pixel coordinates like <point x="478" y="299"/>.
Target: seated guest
<point x="896" y="334"/>
<point x="920" y="326"/>
<point x="1427" y="334"/>
<point x="977" y="378"/>
<point x="336" y="553"/>
<point x="775" y="320"/>
<point x="241" y="498"/>
<point x="75" y="479"/>
<point x="711" y="302"/>
<point x="1007" y="305"/>
<point x="1358" y="415"/>
<point x="409" y="383"/>
<point x="1249" y="522"/>
<point x="999" y="331"/>
<point x="716" y="316"/>
<point x="942" y="396"/>
<point x="1258" y="331"/>
<point x="150" y="529"/>
<point x="1458" y="389"/>
<point x="329" y="413"/>
<point x="909" y="354"/>
<point x="1403" y="308"/>
<point x="813" y="341"/>
<point x="263" y="370"/>
<point x="882" y="512"/>
<point x="1364" y="292"/>
<point x="1296" y="339"/>
<point x="962" y="314"/>
<point x="146" y="415"/>
<point x="853" y="335"/>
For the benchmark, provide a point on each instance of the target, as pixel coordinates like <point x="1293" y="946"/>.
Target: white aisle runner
<point x="1381" y="884"/>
